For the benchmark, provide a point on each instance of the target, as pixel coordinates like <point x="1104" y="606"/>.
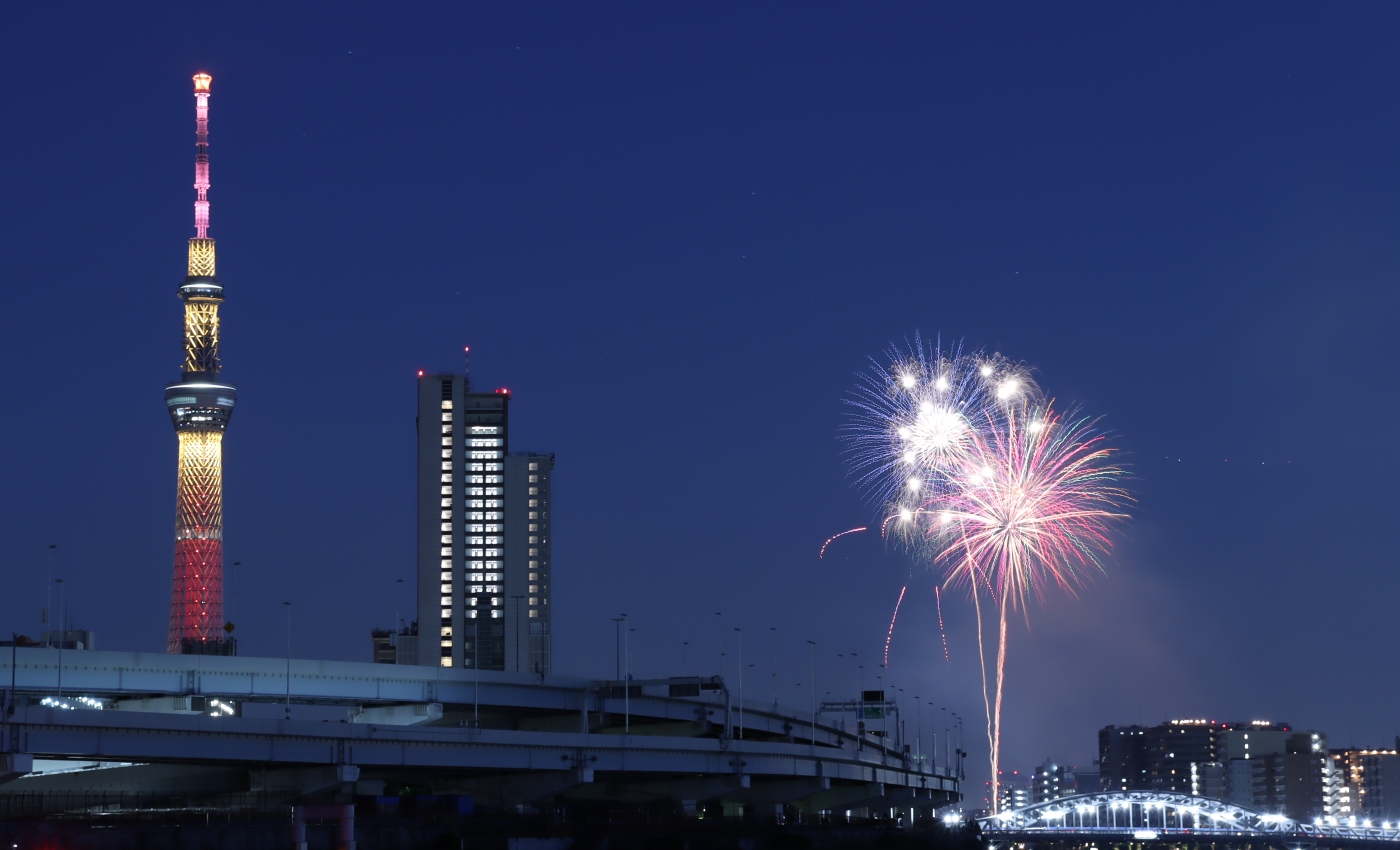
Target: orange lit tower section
<point x="200" y="406"/>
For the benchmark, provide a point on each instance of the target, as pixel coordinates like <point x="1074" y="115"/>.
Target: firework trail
<point x="976" y="471"/>
<point x="889" y="636"/>
<point x="822" y="553"/>
<point x="942" y="632"/>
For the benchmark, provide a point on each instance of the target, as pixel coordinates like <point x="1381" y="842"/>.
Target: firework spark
<point x="822" y="553"/>
<point x="942" y="632"/>
<point x="917" y="416"/>
<point x="889" y="636"/>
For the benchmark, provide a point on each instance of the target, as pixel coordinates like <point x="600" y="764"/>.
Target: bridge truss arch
<point x="1156" y="815"/>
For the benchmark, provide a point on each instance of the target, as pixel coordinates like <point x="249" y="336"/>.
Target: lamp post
<point x="933" y="734"/>
<point x="627" y="683"/>
<point x="774" y="630"/>
<point x="719" y="627"/>
<point x="62" y="612"/>
<point x="47" y="619"/>
<point x="741" y="681"/>
<point x="919" y="735"/>
<point x="813" y="700"/>
<point x="617" y="646"/>
<point x="398" y="594"/>
<point x="884" y="709"/>
<point x="517" y="597"/>
<point x="943" y="717"/>
<point x="288" y="714"/>
<point x="958" y="718"/>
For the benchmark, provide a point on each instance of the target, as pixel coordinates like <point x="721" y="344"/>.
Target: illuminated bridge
<point x="1133" y="817"/>
<point x="152" y="723"/>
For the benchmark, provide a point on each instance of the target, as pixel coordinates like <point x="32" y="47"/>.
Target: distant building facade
<point x="485" y="564"/>
<point x="1372" y="782"/>
<point x="392" y="646"/>
<point x="1269" y="767"/>
<point x="1048" y="783"/>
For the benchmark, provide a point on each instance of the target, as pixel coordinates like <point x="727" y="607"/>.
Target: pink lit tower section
<point x="200" y="405"/>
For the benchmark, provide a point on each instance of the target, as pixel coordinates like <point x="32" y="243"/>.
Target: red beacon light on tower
<point x="420" y="373"/>
<point x="502" y="391"/>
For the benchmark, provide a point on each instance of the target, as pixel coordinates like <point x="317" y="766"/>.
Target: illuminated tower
<point x="200" y="405"/>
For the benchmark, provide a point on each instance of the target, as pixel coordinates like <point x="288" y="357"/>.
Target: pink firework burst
<point x="1032" y="510"/>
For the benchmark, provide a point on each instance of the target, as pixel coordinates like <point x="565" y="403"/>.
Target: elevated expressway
<point x="1150" y="817"/>
<point x="191" y="723"/>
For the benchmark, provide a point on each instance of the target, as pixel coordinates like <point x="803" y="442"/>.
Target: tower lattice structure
<point x="200" y="405"/>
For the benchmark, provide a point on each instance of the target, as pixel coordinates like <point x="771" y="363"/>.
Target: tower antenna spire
<point x="201" y="156"/>
<point x="200" y="405"/>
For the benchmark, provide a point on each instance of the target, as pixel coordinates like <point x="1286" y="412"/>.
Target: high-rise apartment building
<point x="485" y="570"/>
<point x="1048" y="783"/>
<point x="1372" y="777"/>
<point x="1187" y="756"/>
<point x="1261" y="765"/>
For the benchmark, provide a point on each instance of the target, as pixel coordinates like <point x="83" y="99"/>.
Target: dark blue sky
<point x="676" y="234"/>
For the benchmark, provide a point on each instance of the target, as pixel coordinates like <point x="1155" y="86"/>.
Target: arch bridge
<point x="1111" y="818"/>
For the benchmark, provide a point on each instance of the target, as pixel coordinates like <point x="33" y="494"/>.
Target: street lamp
<point x="919" y="736"/>
<point x="617" y="645"/>
<point x="48" y="606"/>
<point x="627" y="685"/>
<point x="741" y="681"/>
<point x="813" y="699"/>
<point x="288" y="714"/>
<point x="774" y="630"/>
<point x="398" y="600"/>
<point x="62" y="614"/>
<point x="719" y="627"/>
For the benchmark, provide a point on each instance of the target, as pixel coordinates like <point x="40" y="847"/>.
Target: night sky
<point x="677" y="233"/>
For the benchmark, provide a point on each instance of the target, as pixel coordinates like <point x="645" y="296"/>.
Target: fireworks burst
<point x="974" y="469"/>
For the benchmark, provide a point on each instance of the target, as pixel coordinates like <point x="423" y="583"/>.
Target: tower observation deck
<point x="200" y="405"/>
